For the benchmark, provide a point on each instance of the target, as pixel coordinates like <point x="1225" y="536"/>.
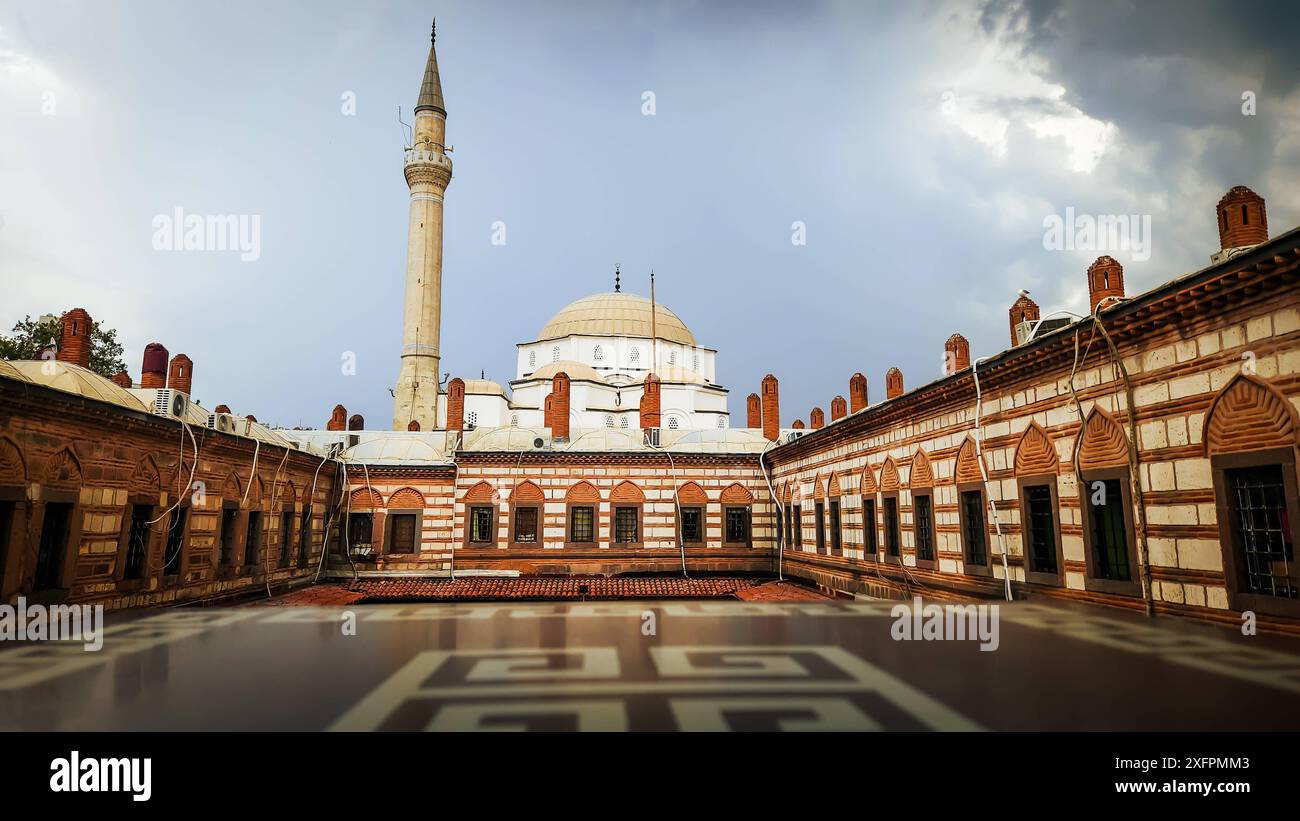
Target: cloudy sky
<point x="921" y="144"/>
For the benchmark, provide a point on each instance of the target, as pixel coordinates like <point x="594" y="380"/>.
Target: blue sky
<point x="921" y="144"/>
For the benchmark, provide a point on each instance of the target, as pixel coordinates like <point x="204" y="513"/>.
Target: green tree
<point x="31" y="336"/>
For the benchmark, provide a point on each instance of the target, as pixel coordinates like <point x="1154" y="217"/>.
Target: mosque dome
<point x="616" y="314"/>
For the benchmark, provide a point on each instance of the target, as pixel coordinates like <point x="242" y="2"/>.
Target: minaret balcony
<point x="413" y="156"/>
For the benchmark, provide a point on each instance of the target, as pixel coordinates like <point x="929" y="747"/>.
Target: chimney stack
<point x="798" y="424"/>
<point x="456" y="404"/>
<point x="1243" y="221"/>
<point x="153" y="372"/>
<point x="893" y="383"/>
<point x="753" y="411"/>
<point x="1023" y="309"/>
<point x="839" y="408"/>
<point x="650" y="403"/>
<point x="817" y="419"/>
<point x="74" y="338"/>
<point x="180" y="375"/>
<point x="771" y="409"/>
<point x="413" y="426"/>
<point x="122" y="379"/>
<point x="956" y="355"/>
<point x="560" y="405"/>
<point x="357" y="422"/>
<point x="857" y="393"/>
<point x="1105" y="280"/>
<point x="224" y="409"/>
<point x="338" y="419"/>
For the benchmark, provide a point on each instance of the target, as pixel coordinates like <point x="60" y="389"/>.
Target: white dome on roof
<point x="616" y="314"/>
<point x="65" y="376"/>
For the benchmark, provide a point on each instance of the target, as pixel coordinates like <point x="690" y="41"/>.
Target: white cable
<point x="780" y="546"/>
<point x="252" y="477"/>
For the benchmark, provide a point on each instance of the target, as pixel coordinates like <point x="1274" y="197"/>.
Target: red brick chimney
<point x="771" y="409"/>
<point x="560" y="405"/>
<point x="1105" y="280"/>
<point x="817" y="419"/>
<point x="546" y="411"/>
<point x="753" y="411"/>
<point x="956" y="354"/>
<point x="122" y="379"/>
<point x="153" y="373"/>
<point x="413" y="425"/>
<point x="74" y="338"/>
<point x="456" y="404"/>
<point x="1242" y="218"/>
<point x="839" y="408"/>
<point x="180" y="374"/>
<point x="857" y="393"/>
<point x="650" y="403"/>
<point x="798" y="424"/>
<point x="1023" y="309"/>
<point x="338" y="418"/>
<point x="226" y="409"/>
<point x="893" y="383"/>
<point x="357" y="422"/>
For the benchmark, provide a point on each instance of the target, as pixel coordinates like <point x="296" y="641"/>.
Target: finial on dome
<point x="433" y="34"/>
<point x="617" y="285"/>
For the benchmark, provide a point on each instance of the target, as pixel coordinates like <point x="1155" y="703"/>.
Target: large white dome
<point x="616" y="315"/>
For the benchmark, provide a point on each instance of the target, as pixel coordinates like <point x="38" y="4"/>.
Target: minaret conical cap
<point x="431" y="88"/>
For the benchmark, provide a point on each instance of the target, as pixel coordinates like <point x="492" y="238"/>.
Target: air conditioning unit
<point x="794" y="434"/>
<point x="163" y="401"/>
<point x="652" y="437"/>
<point x="1025" y="330"/>
<point x="223" y="422"/>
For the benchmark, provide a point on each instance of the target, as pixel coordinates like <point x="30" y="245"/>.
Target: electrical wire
<point x="780" y="540"/>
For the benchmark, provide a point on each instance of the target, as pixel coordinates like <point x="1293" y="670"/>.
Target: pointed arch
<point x="967" y="468"/>
<point x="63" y="469"/>
<point x="582" y="492"/>
<point x="869" y="484"/>
<point x="1104" y="443"/>
<point x="692" y="494"/>
<point x="833" y="487"/>
<point x="13" y="467"/>
<point x="796" y="492"/>
<point x="1035" y="454"/>
<point x="889" y="476"/>
<point x="1249" y="414"/>
<point x="527" y="493"/>
<point x="232" y="488"/>
<point x="819" y="488"/>
<point x="481" y="493"/>
<point x="737" y="494"/>
<point x="287" y="494"/>
<point x="921" y="475"/>
<point x="408" y="498"/>
<point x="363" y="499"/>
<point x="145" y="479"/>
<point x="627" y="492"/>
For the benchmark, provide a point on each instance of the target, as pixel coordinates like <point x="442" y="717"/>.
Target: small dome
<point x="616" y="315"/>
<point x="575" y="370"/>
<point x="65" y="376"/>
<point x="483" y="386"/>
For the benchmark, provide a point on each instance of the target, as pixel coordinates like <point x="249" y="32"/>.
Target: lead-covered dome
<point x="616" y="314"/>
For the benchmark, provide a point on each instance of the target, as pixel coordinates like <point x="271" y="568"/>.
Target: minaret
<point x="428" y="172"/>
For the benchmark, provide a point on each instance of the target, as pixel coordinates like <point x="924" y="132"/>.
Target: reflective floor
<point x="706" y="665"/>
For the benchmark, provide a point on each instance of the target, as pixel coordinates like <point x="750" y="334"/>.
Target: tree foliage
<point x="31" y="336"/>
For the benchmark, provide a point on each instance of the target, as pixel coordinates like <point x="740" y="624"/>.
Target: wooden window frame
<point x="68" y="563"/>
<point x="932" y="562"/>
<point x="251" y="516"/>
<point x="1228" y="536"/>
<point x="749" y="526"/>
<point x="639" y="509"/>
<point x="124" y="542"/>
<point x="494" y="538"/>
<point x="835" y="522"/>
<point x="595" y="524"/>
<point x="797" y="521"/>
<point x="870" y="528"/>
<point x="284" y="557"/>
<point x="968" y="568"/>
<point x="704" y="536"/>
<point x="1024" y="483"/>
<point x="1091" y="582"/>
<point x="390" y="527"/>
<point x="896" y="531"/>
<point x="538" y="509"/>
<point x="819" y="515"/>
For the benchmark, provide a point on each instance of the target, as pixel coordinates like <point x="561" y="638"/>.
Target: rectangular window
<point x="819" y="515"/>
<point x="737" y="525"/>
<point x="361" y="530"/>
<point x="625" y="525"/>
<point x="227" y="537"/>
<point x="404" y="527"/>
<point x="1042" y="529"/>
<point x="286" y="536"/>
<point x="53" y="546"/>
<point x="891" y="526"/>
<point x="175" y="539"/>
<point x="137" y="542"/>
<point x="837" y="542"/>
<point x="6" y="527"/>
<point x="797" y="542"/>
<point x="869" y="526"/>
<point x="1109" y="541"/>
<point x="253" y="537"/>
<point x="582" y="524"/>
<point x="1262" y="531"/>
<point x="972" y="520"/>
<point x="304" y="536"/>
<point x="924" y="530"/>
<point x="692" y="525"/>
<point x="480" y="525"/>
<point x="789" y="526"/>
<point x="526" y="525"/>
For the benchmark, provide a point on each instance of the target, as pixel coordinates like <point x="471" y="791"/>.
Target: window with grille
<point x="252" y="537"/>
<point x="837" y="545"/>
<point x="891" y="526"/>
<point x="819" y="515"/>
<point x="480" y="525"/>
<point x="737" y="525"/>
<point x="869" y="525"/>
<point x="1109" y="541"/>
<point x="1262" y="531"/>
<point x="924" y="530"/>
<point x="692" y="525"/>
<point x="582" y="524"/>
<point x="175" y="538"/>
<point x="304" y="536"/>
<point x="789" y="526"/>
<point x="472" y="418"/>
<point x="622" y="422"/>
<point x="609" y="421"/>
<point x="972" y="522"/>
<point x="672" y="423"/>
<point x="635" y="356"/>
<point x="526" y="525"/>
<point x="227" y="537"/>
<point x="286" y="537"/>
<point x="361" y="530"/>
<point x="555" y="354"/>
<point x="625" y="525"/>
<point x="137" y="542"/>
<point x="797" y="539"/>
<point x="532" y="359"/>
<point x="1042" y="529"/>
<point x="598" y="353"/>
<point x="403" y="533"/>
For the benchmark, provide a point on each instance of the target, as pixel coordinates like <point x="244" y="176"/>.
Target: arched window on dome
<point x="598" y="353"/>
<point x="472" y="418"/>
<point x="672" y="423"/>
<point x="695" y="362"/>
<point x="722" y="421"/>
<point x="532" y="359"/>
<point x="635" y="356"/>
<point x="672" y="357"/>
<point x="514" y="420"/>
<point x="555" y="354"/>
<point x="609" y="421"/>
<point x="622" y="422"/>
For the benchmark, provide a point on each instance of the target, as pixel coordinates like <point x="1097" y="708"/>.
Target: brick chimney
<point x="1242" y="218"/>
<point x="798" y="424"/>
<point x="817" y="419"/>
<point x="650" y="403"/>
<point x="546" y="411"/>
<point x="74" y="338"/>
<point x="839" y="408"/>
<point x="1105" y="280"/>
<point x="122" y="379"/>
<point x="893" y="383"/>
<point x="857" y="393"/>
<point x="456" y="404"/>
<point x="771" y="409"/>
<point x="413" y="425"/>
<point x="753" y="411"/>
<point x="357" y="422"/>
<point x="180" y="374"/>
<point x="1023" y="309"/>
<point x="560" y="405"/>
<point x="226" y="409"/>
<point x="338" y="419"/>
<point x="153" y="372"/>
<point x="956" y="354"/>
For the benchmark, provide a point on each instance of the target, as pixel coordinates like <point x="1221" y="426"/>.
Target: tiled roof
<point x="546" y="588"/>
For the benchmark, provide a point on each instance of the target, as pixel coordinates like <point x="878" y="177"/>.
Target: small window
<point x="304" y="536"/>
<point x="609" y="421"/>
<point x="622" y="422"/>
<point x="526" y="525"/>
<point x="972" y="508"/>
<point x="1042" y="529"/>
<point x="797" y="539"/>
<point x="891" y="527"/>
<point x="692" y="525"/>
<point x="514" y="420"/>
<point x="837" y="543"/>
<point x="252" y="538"/>
<point x="403" y="532"/>
<point x="175" y="538"/>
<point x="635" y="356"/>
<point x="137" y="542"/>
<point x="480" y="525"/>
<point x="472" y="418"/>
<point x="227" y="538"/>
<point x="869" y="525"/>
<point x="672" y="357"/>
<point x="532" y="359"/>
<point x="924" y="530"/>
<point x="695" y="362"/>
<point x="53" y="546"/>
<point x="737" y="525"/>
<point x="1245" y="216"/>
<point x="1109" y="542"/>
<point x="582" y="524"/>
<point x="598" y="353"/>
<point x="286" y="536"/>
<point x="789" y="526"/>
<point x="722" y="421"/>
<point x="625" y="525"/>
<point x="672" y="423"/>
<point x="555" y="354"/>
<point x="819" y="511"/>
<point x="360" y="531"/>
